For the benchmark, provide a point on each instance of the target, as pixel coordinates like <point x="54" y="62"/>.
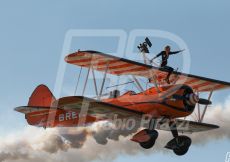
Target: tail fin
<point x="41" y="97"/>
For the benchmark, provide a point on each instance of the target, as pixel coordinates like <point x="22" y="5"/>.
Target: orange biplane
<point x="163" y="103"/>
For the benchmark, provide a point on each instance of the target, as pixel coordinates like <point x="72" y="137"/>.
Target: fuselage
<point x="157" y="104"/>
<point x="148" y="102"/>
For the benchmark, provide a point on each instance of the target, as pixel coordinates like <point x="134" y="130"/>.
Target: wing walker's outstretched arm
<point x="170" y="53"/>
<point x="175" y="52"/>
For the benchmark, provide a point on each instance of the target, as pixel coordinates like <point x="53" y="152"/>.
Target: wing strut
<point x="198" y="107"/>
<point x="206" y="106"/>
<point x="153" y="75"/>
<point x="86" y="80"/>
<point x="78" y="81"/>
<point x="103" y="82"/>
<point x="95" y="84"/>
<point x="138" y="83"/>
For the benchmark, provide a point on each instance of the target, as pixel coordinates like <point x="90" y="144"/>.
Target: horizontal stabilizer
<point x="31" y="109"/>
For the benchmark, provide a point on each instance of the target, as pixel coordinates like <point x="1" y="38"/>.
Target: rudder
<point x="41" y="97"/>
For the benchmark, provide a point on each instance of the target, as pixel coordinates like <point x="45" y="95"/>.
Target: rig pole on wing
<point x="143" y="48"/>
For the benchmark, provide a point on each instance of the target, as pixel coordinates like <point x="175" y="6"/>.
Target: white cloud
<point x="37" y="144"/>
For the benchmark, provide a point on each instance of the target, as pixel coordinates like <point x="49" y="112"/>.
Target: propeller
<point x="204" y="101"/>
<point x="192" y="99"/>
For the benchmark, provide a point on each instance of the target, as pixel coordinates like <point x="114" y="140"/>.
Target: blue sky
<point x="32" y="35"/>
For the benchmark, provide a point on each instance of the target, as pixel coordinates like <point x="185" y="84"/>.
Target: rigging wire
<point x="75" y="91"/>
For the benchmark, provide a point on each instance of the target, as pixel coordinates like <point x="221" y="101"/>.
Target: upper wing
<point x="100" y="61"/>
<point x="120" y="66"/>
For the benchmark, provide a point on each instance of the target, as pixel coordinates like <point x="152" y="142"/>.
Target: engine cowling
<point x="181" y="97"/>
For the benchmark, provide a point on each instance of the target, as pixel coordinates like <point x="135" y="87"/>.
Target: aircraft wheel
<point x="182" y="145"/>
<point x="150" y="143"/>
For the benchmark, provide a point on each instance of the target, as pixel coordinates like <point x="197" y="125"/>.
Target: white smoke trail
<point x="218" y="115"/>
<point x="37" y="144"/>
<point x="34" y="144"/>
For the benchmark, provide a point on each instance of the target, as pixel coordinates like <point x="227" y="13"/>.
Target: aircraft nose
<point x="192" y="99"/>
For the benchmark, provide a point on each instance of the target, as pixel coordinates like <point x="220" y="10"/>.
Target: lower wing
<point x="105" y="111"/>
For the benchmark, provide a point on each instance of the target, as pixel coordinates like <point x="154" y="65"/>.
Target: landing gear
<point x="179" y="144"/>
<point x="153" y="134"/>
<point x="147" y="137"/>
